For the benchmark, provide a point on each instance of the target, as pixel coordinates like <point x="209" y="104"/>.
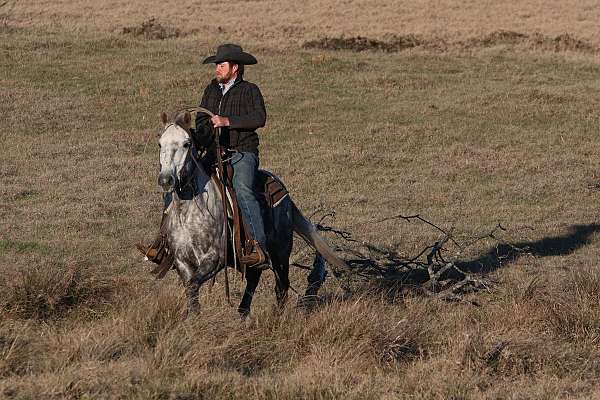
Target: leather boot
<point x="258" y="258"/>
<point x="155" y="251"/>
<point x="158" y="252"/>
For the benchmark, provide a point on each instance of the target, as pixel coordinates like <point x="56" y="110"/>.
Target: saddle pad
<point x="272" y="188"/>
<point x="267" y="184"/>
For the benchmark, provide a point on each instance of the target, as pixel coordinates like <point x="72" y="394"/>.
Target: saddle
<point x="243" y="250"/>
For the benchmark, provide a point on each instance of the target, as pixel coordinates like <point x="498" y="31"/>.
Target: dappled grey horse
<point x="196" y="231"/>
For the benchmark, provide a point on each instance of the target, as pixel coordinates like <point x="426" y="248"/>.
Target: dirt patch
<point x="594" y="186"/>
<point x="537" y="41"/>
<point x="564" y="42"/>
<point x="360" y="43"/>
<point x="152" y="30"/>
<point x="497" y="38"/>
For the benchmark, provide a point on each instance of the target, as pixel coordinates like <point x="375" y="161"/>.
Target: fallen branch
<point x="429" y="270"/>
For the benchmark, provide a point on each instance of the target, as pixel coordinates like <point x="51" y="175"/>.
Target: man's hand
<point x="219" y="121"/>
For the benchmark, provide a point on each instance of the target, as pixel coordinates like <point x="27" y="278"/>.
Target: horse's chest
<point x="194" y="233"/>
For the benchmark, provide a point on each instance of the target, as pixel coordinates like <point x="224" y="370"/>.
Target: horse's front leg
<point x="252" y="278"/>
<point x="192" y="287"/>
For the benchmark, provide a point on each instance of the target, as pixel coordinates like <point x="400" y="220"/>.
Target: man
<point x="239" y="110"/>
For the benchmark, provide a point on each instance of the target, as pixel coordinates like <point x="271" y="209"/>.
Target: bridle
<point x="178" y="186"/>
<point x="192" y="146"/>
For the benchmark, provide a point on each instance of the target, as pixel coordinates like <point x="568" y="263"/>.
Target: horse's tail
<point x="309" y="233"/>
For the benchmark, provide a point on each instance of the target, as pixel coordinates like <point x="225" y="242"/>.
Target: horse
<point x="195" y="227"/>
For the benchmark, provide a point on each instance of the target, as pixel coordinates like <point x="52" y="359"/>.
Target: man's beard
<point x="225" y="78"/>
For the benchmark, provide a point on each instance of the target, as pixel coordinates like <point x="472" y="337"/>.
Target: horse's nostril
<point x="165" y="180"/>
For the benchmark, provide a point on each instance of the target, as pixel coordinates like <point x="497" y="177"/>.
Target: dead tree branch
<point x="431" y="271"/>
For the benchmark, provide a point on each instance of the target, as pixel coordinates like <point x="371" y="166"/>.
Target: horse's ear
<point x="184" y="120"/>
<point x="164" y="119"/>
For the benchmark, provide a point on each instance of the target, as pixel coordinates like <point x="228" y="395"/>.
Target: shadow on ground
<point x="506" y="253"/>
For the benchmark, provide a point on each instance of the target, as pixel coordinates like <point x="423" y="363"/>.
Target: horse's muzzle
<point x="166" y="182"/>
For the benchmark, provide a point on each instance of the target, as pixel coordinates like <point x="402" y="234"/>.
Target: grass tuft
<point x="53" y="292"/>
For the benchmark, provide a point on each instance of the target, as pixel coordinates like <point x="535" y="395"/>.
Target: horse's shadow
<point x="504" y="254"/>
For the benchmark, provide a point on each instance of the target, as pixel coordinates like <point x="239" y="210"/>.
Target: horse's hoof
<point x="307" y="303"/>
<point x="244" y="313"/>
<point x="191" y="312"/>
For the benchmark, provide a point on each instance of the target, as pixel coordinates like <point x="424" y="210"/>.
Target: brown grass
<point x="496" y="122"/>
<point x="51" y="293"/>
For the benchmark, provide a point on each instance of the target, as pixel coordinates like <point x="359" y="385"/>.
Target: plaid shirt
<point x="243" y="104"/>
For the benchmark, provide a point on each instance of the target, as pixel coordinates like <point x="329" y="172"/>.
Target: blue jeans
<point x="245" y="167"/>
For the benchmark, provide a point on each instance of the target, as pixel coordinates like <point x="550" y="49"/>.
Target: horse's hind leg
<point x="317" y="275"/>
<point x="282" y="282"/>
<point x="281" y="239"/>
<point x="252" y="278"/>
<point x="315" y="280"/>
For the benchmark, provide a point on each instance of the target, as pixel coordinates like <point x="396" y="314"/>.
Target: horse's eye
<point x="186" y="144"/>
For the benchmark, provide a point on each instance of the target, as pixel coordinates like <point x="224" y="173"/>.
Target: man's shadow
<point x="506" y="253"/>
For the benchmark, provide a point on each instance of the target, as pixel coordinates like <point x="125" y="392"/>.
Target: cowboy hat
<point x="231" y="52"/>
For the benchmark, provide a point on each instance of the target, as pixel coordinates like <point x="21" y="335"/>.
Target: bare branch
<point x="428" y="271"/>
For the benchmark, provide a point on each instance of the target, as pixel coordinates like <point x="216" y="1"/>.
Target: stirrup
<point x="257" y="259"/>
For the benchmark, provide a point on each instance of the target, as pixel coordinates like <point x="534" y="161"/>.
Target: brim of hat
<point x="241" y="58"/>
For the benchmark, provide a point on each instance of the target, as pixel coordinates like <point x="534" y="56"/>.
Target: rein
<point x="197" y="110"/>
<point x="221" y="189"/>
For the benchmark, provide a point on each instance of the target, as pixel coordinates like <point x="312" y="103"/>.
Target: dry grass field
<point x="469" y="113"/>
